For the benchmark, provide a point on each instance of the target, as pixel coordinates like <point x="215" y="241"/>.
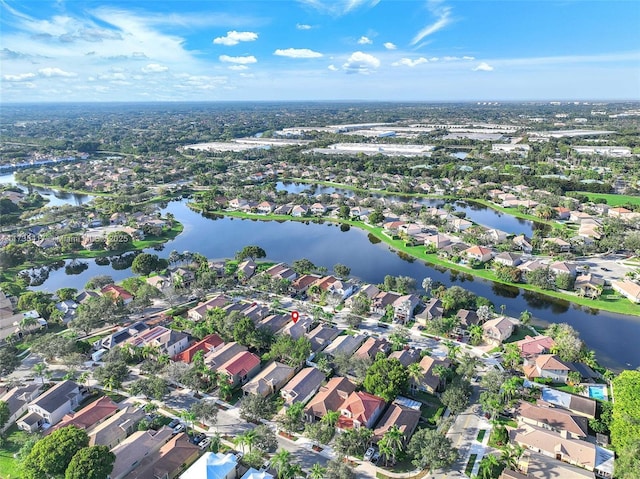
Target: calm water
<point x="477" y="213"/>
<point x="614" y="337"/>
<point x="55" y="197"/>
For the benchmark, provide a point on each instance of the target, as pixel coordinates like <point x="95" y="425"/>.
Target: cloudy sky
<point x="427" y="50"/>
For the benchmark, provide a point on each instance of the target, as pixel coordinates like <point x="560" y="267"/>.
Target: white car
<point x="204" y="443"/>
<point x="369" y="454"/>
<point x="178" y="429"/>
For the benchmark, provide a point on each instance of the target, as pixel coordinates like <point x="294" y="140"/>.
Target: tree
<point x="293" y="419"/>
<point x="565" y="281"/>
<point x="541" y="278"/>
<point x="303" y="266"/>
<point x="9" y="360"/>
<point x="487" y="465"/>
<point x="255" y="407"/>
<point x="266" y="440"/>
<point x="331" y="418"/>
<point x="153" y="387"/>
<point x="352" y="441"/>
<point x="386" y="378"/>
<point x="317" y="471"/>
<point x="341" y="270"/>
<point x="252" y="252"/>
<point x="64" y="294"/>
<point x="393" y="443"/>
<point x="456" y="396"/>
<point x="247" y="438"/>
<point x="525" y="317"/>
<point x="628" y="462"/>
<point x="145" y="263"/>
<point x="337" y="469"/>
<point x="290" y="351"/>
<point x="568" y="345"/>
<point x="51" y="346"/>
<point x="430" y="448"/>
<point x="205" y="411"/>
<point x="98" y="282"/>
<point x="112" y="374"/>
<point x="4" y="413"/>
<point x="50" y="455"/>
<point x="361" y="304"/>
<point x="476" y="333"/>
<point x="625" y="427"/>
<point x="319" y="432"/>
<point x="512" y="356"/>
<point x="602" y="422"/>
<point x="95" y="462"/>
<point x="40" y="370"/>
<point x="280" y="461"/>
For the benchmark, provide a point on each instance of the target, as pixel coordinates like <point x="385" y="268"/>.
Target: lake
<point x="614" y="337"/>
<point x="55" y="197"/>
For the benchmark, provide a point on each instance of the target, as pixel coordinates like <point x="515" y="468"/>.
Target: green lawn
<point x="612" y="199"/>
<point x="9" y="467"/>
<point x="519" y="333"/>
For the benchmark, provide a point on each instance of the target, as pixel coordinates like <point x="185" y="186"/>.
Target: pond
<point x="55" y="197"/>
<point x="614" y="337"/>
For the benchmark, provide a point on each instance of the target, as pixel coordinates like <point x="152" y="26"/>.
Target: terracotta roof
<point x="116" y="291"/>
<point x="362" y="406"/>
<point x="532" y="346"/>
<point x="273" y="377"/>
<point x="372" y="346"/>
<point x="556" y="418"/>
<point x="89" y="415"/>
<point x="405" y="418"/>
<point x="205" y="344"/>
<point x="551" y="361"/>
<point x="241" y="364"/>
<point x="330" y="396"/>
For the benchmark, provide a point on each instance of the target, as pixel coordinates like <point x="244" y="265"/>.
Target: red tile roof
<point x="88" y="416"/>
<point x="206" y="344"/>
<point x="240" y="364"/>
<point x="362" y="406"/>
<point x="116" y="291"/>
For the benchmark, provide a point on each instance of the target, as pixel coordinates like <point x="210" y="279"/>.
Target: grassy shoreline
<point x="615" y="304"/>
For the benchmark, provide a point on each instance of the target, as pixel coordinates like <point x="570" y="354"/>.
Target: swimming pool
<point x="598" y="392"/>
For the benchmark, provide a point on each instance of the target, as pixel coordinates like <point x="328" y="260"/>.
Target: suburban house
<point x="206" y="344"/>
<point x="368" y="290"/>
<point x="299" y="328"/>
<point x="562" y="267"/>
<point x="182" y="277"/>
<point x="120" y="336"/>
<point x="318" y="209"/>
<point x="117" y="293"/>
<point x="430" y="382"/>
<point x="299" y="211"/>
<point x="404" y="417"/>
<point x="254" y="474"/>
<point x="237" y="203"/>
<point x="467" y="318"/>
<point x="589" y="285"/>
<point x="240" y="368"/>
<point x="553" y="418"/>
<point x="168" y="341"/>
<point x="17" y="400"/>
<point x="372" y="347"/>
<point x="116" y="428"/>
<point x="131" y="452"/>
<point x="508" y="259"/>
<point x="169" y="462"/>
<point x="344" y="289"/>
<point x="344" y="345"/>
<point x="50" y="407"/>
<point x="272" y="378"/>
<point x="301" y="285"/>
<point x="557" y="245"/>
<point x="434" y="309"/>
<point x="403" y="307"/>
<point x="266" y="207"/>
<point x="524" y="243"/>
<point x="437" y="241"/>
<point x="531" y="347"/>
<point x="360" y="409"/>
<point x="216" y="358"/>
<point x="538" y="466"/>
<point x="281" y="271"/>
<point x="628" y="289"/>
<point x="246" y="269"/>
<point x="89" y="416"/>
<point x="199" y="312"/>
<point x="322" y="336"/>
<point x="381" y="300"/>
<point x="573" y="451"/>
<point x="302" y="386"/>
<point x="406" y="356"/>
<point x="274" y="322"/>
<point x="548" y="366"/>
<point x="213" y="465"/>
<point x="581" y="405"/>
<point x="498" y="330"/>
<point x="329" y="398"/>
<point x="479" y="253"/>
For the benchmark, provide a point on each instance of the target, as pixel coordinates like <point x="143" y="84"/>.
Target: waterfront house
<point x="628" y="289"/>
<point x="281" y="271"/>
<point x="581" y="405"/>
<point x="530" y="347"/>
<point x="381" y="300"/>
<point x="404" y="306"/>
<point x="299" y="211"/>
<point x="117" y="293"/>
<point x="318" y="209"/>
<point x="498" y="330"/>
<point x="302" y="284"/>
<point x="246" y="269"/>
<point x="434" y="309"/>
<point x="266" y="207"/>
<point x="479" y="253"/>
<point x="523" y="243"/>
<point x="508" y="259"/>
<point x="552" y="418"/>
<point x="547" y="366"/>
<point x="562" y="267"/>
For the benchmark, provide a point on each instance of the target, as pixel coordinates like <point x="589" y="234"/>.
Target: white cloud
<point x="238" y="67"/>
<point x="360" y="62"/>
<point x="240" y="60"/>
<point x="443" y="14"/>
<point x="333" y="68"/>
<point x="483" y="67"/>
<point x="303" y="26"/>
<point x="233" y="38"/>
<point x="338" y="7"/>
<point x="390" y="46"/>
<point x="434" y="59"/>
<point x="409" y="62"/>
<point x="19" y="77"/>
<point x="155" y="68"/>
<point x="297" y="53"/>
<point x="468" y="58"/>
<point x="55" y="72"/>
<point x="364" y="40"/>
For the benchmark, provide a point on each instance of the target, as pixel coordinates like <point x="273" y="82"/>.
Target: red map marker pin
<point x="295" y="316"/>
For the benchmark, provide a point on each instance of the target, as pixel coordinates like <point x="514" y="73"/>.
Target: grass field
<point x="611" y="199"/>
<point x="9" y="467"/>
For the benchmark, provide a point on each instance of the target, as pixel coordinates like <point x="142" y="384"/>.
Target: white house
<point x="48" y="409"/>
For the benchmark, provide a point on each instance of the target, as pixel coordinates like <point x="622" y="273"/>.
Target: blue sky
<point x="428" y="50"/>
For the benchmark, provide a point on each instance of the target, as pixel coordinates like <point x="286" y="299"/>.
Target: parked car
<point x="369" y="454"/>
<point x="205" y="443"/>
<point x="173" y="423"/>
<point x="199" y="438"/>
<point x="375" y="457"/>
<point x="178" y="429"/>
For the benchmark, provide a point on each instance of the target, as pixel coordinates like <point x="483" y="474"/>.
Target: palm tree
<point x="393" y="443"/>
<point x="589" y="358"/>
<point x="486" y="466"/>
<point x="442" y="372"/>
<point x="84" y="379"/>
<point x="511" y="455"/>
<point x="331" y="418"/>
<point x="525" y="317"/>
<point x="476" y="333"/>
<point x="317" y="471"/>
<point x="247" y="438"/>
<point x="280" y="461"/>
<point x="509" y="388"/>
<point x="26" y="323"/>
<point x="188" y="417"/>
<point x="415" y="372"/>
<point x="110" y="383"/>
<point x="40" y="370"/>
